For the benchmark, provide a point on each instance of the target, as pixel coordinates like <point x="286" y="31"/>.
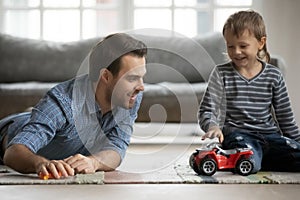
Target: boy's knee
<point x="292" y="143"/>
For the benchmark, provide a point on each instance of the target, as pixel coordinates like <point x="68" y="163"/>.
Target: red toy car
<point x="208" y="160"/>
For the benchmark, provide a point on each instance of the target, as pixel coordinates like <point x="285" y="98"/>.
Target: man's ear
<point x="105" y="75"/>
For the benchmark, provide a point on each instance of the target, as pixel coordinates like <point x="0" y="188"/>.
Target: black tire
<point x="244" y="167"/>
<point x="208" y="167"/>
<point x="193" y="163"/>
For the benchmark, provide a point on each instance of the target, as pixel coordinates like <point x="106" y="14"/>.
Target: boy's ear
<point x="262" y="42"/>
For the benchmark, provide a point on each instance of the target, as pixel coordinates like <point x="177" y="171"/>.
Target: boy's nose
<point x="237" y="51"/>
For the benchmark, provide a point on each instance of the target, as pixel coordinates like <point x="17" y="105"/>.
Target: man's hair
<point x="109" y="51"/>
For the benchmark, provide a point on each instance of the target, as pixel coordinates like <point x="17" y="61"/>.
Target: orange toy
<point x="49" y="176"/>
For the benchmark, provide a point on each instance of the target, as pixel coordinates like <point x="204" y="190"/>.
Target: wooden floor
<point x="151" y="191"/>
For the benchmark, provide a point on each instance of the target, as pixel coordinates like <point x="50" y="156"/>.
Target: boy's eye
<point x="244" y="46"/>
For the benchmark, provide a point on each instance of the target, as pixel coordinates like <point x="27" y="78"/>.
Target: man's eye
<point x="132" y="78"/>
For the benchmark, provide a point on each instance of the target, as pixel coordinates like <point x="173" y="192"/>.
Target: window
<point x="69" y="20"/>
<point x="59" y="20"/>
<point x="187" y="17"/>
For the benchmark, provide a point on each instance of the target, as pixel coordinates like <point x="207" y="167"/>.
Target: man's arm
<point x="106" y="160"/>
<point x="119" y="137"/>
<point x="20" y="158"/>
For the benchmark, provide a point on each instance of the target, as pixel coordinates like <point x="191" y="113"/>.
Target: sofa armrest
<point x="279" y="62"/>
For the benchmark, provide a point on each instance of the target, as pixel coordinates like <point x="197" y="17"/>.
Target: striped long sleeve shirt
<point x="260" y="104"/>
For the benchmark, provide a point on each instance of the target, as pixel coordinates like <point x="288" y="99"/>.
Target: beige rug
<point x="11" y="177"/>
<point x="174" y="174"/>
<point x="189" y="176"/>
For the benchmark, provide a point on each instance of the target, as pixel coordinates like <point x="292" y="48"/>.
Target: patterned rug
<point x="11" y="177"/>
<point x="173" y="174"/>
<point x="189" y="176"/>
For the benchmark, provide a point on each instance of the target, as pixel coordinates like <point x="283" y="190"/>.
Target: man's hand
<point x="82" y="164"/>
<point x="214" y="132"/>
<point x="55" y="168"/>
<point x="21" y="159"/>
<point x="106" y="160"/>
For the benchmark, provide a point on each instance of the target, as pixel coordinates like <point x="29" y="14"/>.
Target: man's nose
<point x="140" y="86"/>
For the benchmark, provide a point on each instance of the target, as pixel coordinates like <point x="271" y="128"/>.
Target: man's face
<point x="128" y="83"/>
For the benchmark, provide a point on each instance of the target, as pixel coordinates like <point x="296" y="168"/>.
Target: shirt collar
<point x="91" y="102"/>
<point x="84" y="96"/>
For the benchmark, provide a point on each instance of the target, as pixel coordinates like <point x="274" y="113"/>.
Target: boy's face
<point x="125" y="86"/>
<point x="243" y="50"/>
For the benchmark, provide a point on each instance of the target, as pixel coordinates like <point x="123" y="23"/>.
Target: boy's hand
<point x="214" y="132"/>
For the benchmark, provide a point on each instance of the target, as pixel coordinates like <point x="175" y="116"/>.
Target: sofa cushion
<point x="181" y="59"/>
<point x="25" y="89"/>
<point x="34" y="60"/>
<point x="171" y="102"/>
<point x="17" y="97"/>
<point x="215" y="46"/>
<point x="169" y="59"/>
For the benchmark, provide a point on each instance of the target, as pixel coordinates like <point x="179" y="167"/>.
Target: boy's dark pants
<point x="272" y="152"/>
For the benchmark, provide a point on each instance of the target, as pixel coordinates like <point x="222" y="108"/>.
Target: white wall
<point x="282" y="19"/>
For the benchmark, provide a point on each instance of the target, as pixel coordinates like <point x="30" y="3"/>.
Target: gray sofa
<point x="177" y="72"/>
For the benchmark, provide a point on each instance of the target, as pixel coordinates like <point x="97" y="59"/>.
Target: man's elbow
<point x="9" y="158"/>
<point x="107" y="167"/>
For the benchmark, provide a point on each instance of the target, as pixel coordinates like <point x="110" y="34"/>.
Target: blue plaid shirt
<point x="68" y="121"/>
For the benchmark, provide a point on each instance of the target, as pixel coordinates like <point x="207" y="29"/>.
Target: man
<point x="84" y="124"/>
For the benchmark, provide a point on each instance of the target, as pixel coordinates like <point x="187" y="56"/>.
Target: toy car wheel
<point x="193" y="164"/>
<point x="208" y="167"/>
<point x="244" y="167"/>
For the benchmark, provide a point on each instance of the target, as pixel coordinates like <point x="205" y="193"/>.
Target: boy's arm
<point x="283" y="111"/>
<point x="212" y="107"/>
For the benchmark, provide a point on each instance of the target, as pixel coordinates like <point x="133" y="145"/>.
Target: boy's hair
<point x="252" y="21"/>
<point x="109" y="51"/>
